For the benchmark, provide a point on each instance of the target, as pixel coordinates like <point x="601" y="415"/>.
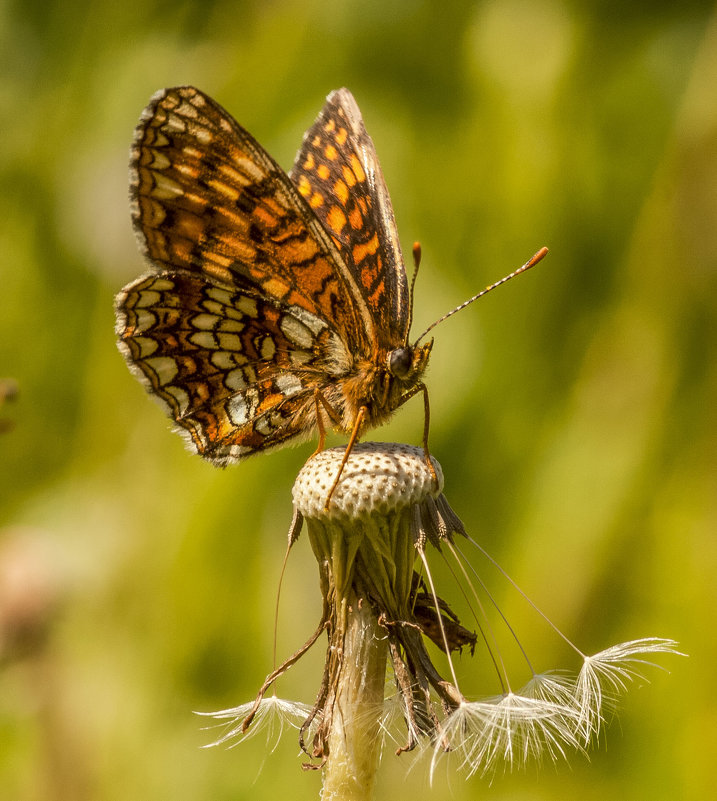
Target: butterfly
<point x="276" y="305"/>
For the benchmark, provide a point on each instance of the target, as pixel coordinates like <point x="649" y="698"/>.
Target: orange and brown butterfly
<point x="276" y="305"/>
<point x="272" y="298"/>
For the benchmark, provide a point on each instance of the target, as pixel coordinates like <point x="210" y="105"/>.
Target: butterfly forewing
<point x="207" y="197"/>
<point x="338" y="172"/>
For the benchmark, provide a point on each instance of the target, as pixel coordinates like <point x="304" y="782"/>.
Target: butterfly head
<point x="408" y="362"/>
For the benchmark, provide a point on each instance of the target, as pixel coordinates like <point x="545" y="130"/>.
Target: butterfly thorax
<point x="380" y="385"/>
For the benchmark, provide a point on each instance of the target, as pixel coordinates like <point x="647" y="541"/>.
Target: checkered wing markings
<point x="338" y="172"/>
<point x="206" y="197"/>
<point x="235" y="371"/>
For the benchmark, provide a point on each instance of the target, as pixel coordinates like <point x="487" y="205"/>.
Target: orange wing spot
<point x="189" y="226"/>
<point x="224" y="189"/>
<point x="246" y="437"/>
<point x="222" y="262"/>
<point x="327" y="292"/>
<point x="273" y="207"/>
<point x="202" y="390"/>
<point x="295" y="299"/>
<point x="157" y="245"/>
<point x="349" y="176"/>
<point x="357" y="168"/>
<point x="378" y="298"/>
<point x="316" y="201"/>
<point x="310" y="163"/>
<point x="342" y="136"/>
<point x="336" y="220"/>
<point x="323" y="171"/>
<point x="190" y="170"/>
<point x="266" y="217"/>
<point x="341" y="191"/>
<point x="193" y="152"/>
<point x="330" y="125"/>
<point x="196" y="204"/>
<point x="355" y="218"/>
<point x="269" y="401"/>
<point x="239" y="224"/>
<point x="316" y="141"/>
<point x="296" y="252"/>
<point x="360" y="251"/>
<point x="304" y="186"/>
<point x="331" y="153"/>
<point x="182" y="249"/>
<point x="237" y="249"/>
<point x="275" y="287"/>
<point x="220" y="273"/>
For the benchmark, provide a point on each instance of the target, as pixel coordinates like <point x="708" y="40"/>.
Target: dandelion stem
<point x="354" y="743"/>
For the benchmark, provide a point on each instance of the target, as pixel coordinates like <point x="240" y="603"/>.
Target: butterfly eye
<point x="400" y="361"/>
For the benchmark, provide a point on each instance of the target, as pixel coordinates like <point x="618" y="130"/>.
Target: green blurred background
<point x="573" y="410"/>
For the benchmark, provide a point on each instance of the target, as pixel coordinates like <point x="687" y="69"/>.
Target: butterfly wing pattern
<point x="338" y="172"/>
<point x="267" y="292"/>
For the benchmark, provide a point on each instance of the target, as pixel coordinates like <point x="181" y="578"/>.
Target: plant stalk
<point x="355" y="737"/>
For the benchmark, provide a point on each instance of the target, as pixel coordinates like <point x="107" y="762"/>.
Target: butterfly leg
<point x="319" y="425"/>
<point x="426" y="427"/>
<point x="319" y="401"/>
<point x="358" y="422"/>
<point x="421" y="387"/>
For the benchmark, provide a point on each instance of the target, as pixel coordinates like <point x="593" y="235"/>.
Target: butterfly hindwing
<point x="236" y="372"/>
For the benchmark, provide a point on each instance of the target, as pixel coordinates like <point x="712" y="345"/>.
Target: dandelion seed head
<point x="377" y="478"/>
<point x="380" y="600"/>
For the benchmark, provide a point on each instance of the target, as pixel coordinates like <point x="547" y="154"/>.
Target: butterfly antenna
<point x="416" y="265"/>
<point x="539" y="256"/>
